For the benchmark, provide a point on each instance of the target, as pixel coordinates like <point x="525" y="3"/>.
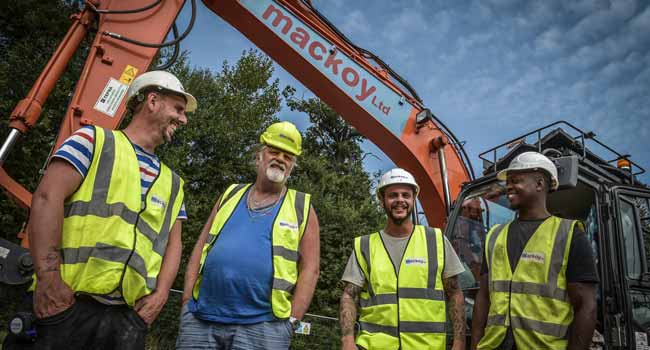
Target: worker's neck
<point x="143" y="135"/>
<point x="536" y="211"/>
<point x="263" y="185"/>
<point x="402" y="229"/>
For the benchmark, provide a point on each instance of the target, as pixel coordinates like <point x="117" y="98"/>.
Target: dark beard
<point x="400" y="220"/>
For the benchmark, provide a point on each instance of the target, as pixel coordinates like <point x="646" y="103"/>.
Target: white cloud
<point x="355" y="23"/>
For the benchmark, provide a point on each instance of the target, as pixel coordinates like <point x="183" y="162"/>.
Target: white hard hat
<point x="164" y="80"/>
<point x="532" y="161"/>
<point x="396" y="176"/>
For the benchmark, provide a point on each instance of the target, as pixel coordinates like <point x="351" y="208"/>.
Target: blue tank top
<point x="238" y="271"/>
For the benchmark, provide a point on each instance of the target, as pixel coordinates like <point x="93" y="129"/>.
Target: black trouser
<point x="89" y="324"/>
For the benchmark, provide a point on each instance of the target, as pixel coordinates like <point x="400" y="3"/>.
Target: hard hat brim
<point x="280" y="146"/>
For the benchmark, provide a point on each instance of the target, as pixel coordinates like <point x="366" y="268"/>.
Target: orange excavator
<point x="361" y="87"/>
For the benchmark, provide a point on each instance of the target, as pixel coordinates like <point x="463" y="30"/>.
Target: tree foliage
<point x="30" y="31"/>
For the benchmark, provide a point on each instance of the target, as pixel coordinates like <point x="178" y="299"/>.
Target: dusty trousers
<point x="89" y="324"/>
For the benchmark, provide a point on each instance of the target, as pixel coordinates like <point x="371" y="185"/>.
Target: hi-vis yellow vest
<point x="404" y="310"/>
<point x="110" y="241"/>
<point x="288" y="228"/>
<point x="533" y="300"/>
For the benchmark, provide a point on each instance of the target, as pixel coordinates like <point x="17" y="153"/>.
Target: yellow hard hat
<point x="284" y="136"/>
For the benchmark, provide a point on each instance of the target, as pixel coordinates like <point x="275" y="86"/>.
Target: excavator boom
<point x="297" y="37"/>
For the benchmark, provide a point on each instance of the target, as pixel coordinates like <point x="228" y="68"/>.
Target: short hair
<point x="136" y="102"/>
<point x="543" y="175"/>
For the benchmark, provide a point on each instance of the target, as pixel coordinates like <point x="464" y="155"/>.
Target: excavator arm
<point x="355" y="83"/>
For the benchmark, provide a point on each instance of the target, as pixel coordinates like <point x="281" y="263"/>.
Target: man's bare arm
<point x="583" y="299"/>
<point x="480" y="313"/>
<point x="456" y="306"/>
<point x="348" y="313"/>
<point x="192" y="269"/>
<point x="60" y="181"/>
<point x="308" y="267"/>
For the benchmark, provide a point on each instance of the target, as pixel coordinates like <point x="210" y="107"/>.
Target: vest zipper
<point x="137" y="220"/>
<point x="272" y="265"/>
<point x="399" y="338"/>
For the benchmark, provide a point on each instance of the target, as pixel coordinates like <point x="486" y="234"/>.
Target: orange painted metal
<point x="409" y="148"/>
<point x="15" y="191"/>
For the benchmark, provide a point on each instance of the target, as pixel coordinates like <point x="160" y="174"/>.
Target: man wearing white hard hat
<point x="105" y="226"/>
<point x="401" y="280"/>
<point x="538" y="280"/>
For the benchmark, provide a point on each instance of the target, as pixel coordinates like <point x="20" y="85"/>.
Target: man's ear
<point x="152" y="100"/>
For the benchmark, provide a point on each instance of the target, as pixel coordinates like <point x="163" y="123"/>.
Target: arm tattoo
<point x="455" y="306"/>
<point x="348" y="308"/>
<point x="52" y="260"/>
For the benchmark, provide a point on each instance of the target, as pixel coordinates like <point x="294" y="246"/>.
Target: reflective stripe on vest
<point x="105" y="227"/>
<point x="533" y="300"/>
<point x="288" y="229"/>
<point x="407" y="310"/>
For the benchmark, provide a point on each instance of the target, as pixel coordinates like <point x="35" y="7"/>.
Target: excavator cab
<point x="609" y="202"/>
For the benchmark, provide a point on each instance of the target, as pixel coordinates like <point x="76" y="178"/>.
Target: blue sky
<point x="491" y="69"/>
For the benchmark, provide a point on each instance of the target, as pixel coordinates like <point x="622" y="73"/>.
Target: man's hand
<point x="52" y="296"/>
<point x="347" y="343"/>
<point x="149" y="306"/>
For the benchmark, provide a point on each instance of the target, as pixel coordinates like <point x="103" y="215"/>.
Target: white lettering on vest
<point x="533" y="257"/>
<point x="290" y="225"/>
<point x="416" y="261"/>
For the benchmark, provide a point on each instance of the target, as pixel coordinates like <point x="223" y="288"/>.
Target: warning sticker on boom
<point x="110" y="99"/>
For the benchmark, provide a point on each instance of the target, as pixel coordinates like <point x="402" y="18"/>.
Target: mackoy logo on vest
<point x="289" y="225"/>
<point x="416" y="261"/>
<point x="158" y="202"/>
<point x="533" y="257"/>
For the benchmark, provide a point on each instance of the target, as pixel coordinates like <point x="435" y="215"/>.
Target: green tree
<point x="30" y="30"/>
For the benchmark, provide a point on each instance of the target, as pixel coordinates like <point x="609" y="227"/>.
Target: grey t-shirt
<point x="396" y="247"/>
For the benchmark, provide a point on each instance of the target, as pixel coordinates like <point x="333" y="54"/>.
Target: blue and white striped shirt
<point x="78" y="151"/>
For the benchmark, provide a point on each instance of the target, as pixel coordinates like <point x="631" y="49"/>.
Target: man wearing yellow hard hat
<point x="253" y="271"/>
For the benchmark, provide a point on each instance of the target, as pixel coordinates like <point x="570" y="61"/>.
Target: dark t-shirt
<point x="581" y="266"/>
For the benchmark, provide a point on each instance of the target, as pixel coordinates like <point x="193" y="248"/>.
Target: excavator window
<point x="634" y="222"/>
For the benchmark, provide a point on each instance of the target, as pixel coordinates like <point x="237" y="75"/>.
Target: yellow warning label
<point x="129" y="74"/>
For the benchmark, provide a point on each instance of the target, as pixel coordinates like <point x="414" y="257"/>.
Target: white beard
<point x="275" y="175"/>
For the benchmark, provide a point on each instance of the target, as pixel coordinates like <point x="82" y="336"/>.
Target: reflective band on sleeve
<point x="288" y="254"/>
<point x="283" y="285"/>
<point x="377" y="328"/>
<point x="555" y="330"/>
<point x="432" y="253"/>
<point x="108" y="253"/>
<point x="300" y="207"/>
<point x="365" y="252"/>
